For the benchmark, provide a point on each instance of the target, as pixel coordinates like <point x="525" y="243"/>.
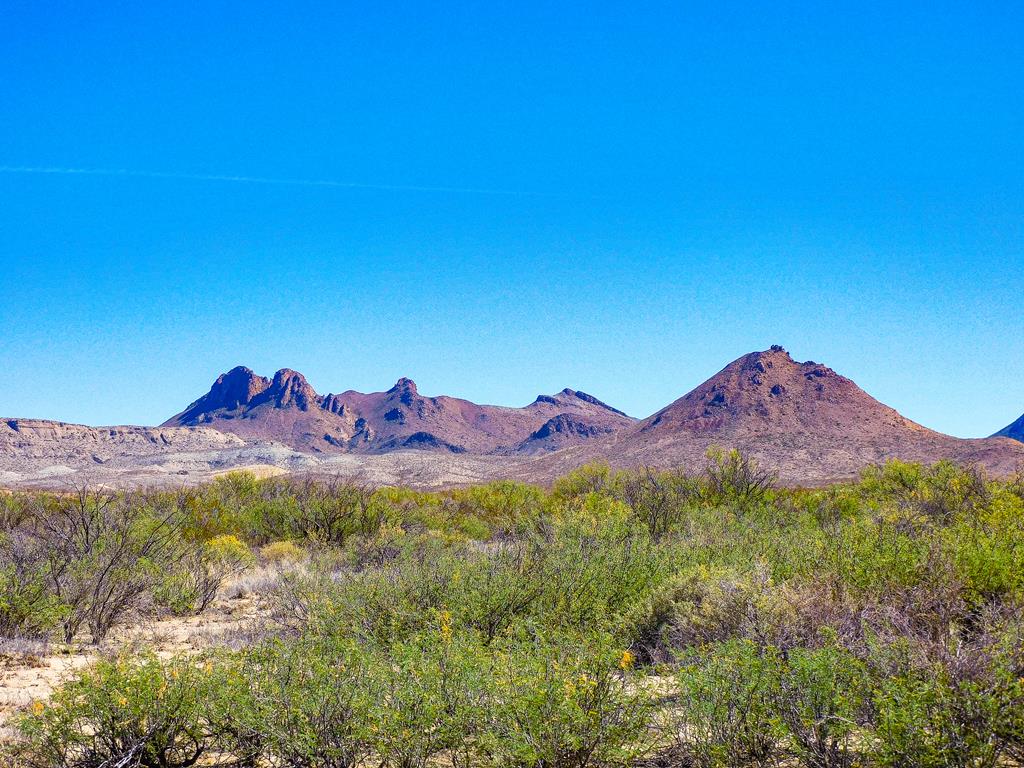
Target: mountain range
<point x="803" y="420"/>
<point x="287" y="409"/>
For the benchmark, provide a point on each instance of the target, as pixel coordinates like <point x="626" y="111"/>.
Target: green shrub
<point x="301" y="703"/>
<point x="501" y="508"/>
<point x="568" y="704"/>
<point x="990" y="564"/>
<point x="938" y="493"/>
<point x="735" y="481"/>
<point x="121" y="712"/>
<point x="964" y="718"/>
<point x="282" y="552"/>
<point x="727" y="693"/>
<point x="869" y="558"/>
<point x="507" y="626"/>
<point x="711" y="605"/>
<point x="105" y="553"/>
<point x="822" y="701"/>
<point x="431" y="697"/>
<point x="659" y="500"/>
<point x="193" y="584"/>
<point x="491" y="592"/>
<point x="587" y="479"/>
<point x="28" y="607"/>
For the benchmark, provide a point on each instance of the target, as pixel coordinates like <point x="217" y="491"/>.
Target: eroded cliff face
<point x="38" y="438"/>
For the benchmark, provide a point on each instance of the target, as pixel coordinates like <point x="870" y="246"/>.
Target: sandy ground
<point x="30" y="673"/>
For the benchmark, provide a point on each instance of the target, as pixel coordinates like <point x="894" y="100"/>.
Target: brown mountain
<point x="288" y="410"/>
<point x="1015" y="430"/>
<point x="802" y="419"/>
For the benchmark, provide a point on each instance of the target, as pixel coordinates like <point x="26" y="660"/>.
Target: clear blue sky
<point x="616" y="197"/>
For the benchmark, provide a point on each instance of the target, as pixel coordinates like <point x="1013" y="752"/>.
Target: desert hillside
<point x="288" y="410"/>
<point x="803" y="421"/>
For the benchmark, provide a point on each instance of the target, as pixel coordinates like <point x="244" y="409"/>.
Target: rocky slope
<point x="287" y="409"/>
<point x="37" y="450"/>
<point x="1014" y="430"/>
<point x="55" y="440"/>
<point x="801" y="419"/>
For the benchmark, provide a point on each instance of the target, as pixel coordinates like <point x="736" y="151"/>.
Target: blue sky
<point x="620" y="198"/>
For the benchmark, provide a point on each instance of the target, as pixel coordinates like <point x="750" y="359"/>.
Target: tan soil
<point x="29" y="677"/>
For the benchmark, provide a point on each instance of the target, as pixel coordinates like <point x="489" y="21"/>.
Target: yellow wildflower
<point x="38" y="707"/>
<point x="627" y="660"/>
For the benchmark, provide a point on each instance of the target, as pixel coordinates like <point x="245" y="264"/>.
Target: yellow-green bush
<point x="875" y="622"/>
<point x="282" y="552"/>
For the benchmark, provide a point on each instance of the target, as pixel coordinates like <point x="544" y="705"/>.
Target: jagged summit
<point x="404" y="385"/>
<point x="289" y="388"/>
<point x="803" y="420"/>
<point x="231" y="391"/>
<point x="240" y="390"/>
<point x="287" y="409"/>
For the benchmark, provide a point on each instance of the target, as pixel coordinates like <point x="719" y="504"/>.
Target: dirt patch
<point x="30" y="672"/>
<point x="259" y="471"/>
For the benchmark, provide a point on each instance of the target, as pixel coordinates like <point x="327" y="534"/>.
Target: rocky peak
<point x="776" y="355"/>
<point x="234" y="388"/>
<point x="404" y="385"/>
<point x="290" y="388"/>
<point x="568" y="395"/>
<point x="334" y="404"/>
<point x="776" y="369"/>
<point x="405" y="390"/>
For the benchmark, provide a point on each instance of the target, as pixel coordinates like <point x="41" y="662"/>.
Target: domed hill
<point x="802" y="419"/>
<point x="1015" y="430"/>
<point x="287" y="409"/>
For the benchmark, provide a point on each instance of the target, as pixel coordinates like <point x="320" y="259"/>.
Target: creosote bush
<point x="704" y="617"/>
<point x="140" y="712"/>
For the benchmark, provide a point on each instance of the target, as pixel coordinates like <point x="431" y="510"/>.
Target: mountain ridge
<point x="802" y="420"/>
<point x="288" y="409"/>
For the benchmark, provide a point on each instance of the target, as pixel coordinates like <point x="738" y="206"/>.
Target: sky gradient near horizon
<point x="504" y="199"/>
